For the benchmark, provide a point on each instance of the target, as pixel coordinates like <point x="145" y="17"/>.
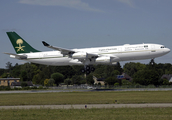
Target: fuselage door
<point x="153" y="47"/>
<point x="119" y="50"/>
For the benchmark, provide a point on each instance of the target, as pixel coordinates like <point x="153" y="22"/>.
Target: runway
<point x="89" y="106"/>
<point x="84" y="90"/>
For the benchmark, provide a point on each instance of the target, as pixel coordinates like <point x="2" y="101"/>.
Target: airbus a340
<point x="87" y="56"/>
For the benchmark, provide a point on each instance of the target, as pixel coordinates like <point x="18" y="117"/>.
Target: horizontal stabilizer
<point x="17" y="56"/>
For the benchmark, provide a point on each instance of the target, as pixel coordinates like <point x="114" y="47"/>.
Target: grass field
<point x="87" y="114"/>
<point x="122" y="97"/>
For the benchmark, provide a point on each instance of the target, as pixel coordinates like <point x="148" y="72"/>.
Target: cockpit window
<point x="162" y="46"/>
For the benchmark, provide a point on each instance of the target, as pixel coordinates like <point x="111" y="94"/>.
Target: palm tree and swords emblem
<point x="19" y="42"/>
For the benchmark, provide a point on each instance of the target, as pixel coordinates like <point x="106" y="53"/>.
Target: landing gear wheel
<point x="88" y="72"/>
<point x="92" y="69"/>
<point x="83" y="70"/>
<point x="87" y="68"/>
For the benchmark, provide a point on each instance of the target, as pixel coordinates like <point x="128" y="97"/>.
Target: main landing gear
<point x="88" y="69"/>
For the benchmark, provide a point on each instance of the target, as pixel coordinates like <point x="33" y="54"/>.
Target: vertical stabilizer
<point x="19" y="44"/>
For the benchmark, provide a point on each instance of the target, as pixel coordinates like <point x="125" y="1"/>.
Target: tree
<point x="111" y="80"/>
<point x="77" y="79"/>
<point x="146" y="77"/>
<point x="165" y="82"/>
<point x="46" y="82"/>
<point x="67" y="81"/>
<point x="89" y="79"/>
<point x="2" y="71"/>
<point x="35" y="79"/>
<point x="4" y="75"/>
<point x="24" y="84"/>
<point x="51" y="82"/>
<point x="16" y="71"/>
<point x="100" y="71"/>
<point x="23" y="76"/>
<point x="126" y="82"/>
<point x="30" y="70"/>
<point x="9" y="66"/>
<point x="104" y="71"/>
<point x="58" y="78"/>
<point x="132" y="68"/>
<point x="115" y="73"/>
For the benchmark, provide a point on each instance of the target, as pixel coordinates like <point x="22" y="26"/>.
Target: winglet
<point x="45" y="44"/>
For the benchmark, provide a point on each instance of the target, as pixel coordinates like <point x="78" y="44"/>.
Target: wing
<point x="63" y="51"/>
<point x="80" y="55"/>
<point x="17" y="56"/>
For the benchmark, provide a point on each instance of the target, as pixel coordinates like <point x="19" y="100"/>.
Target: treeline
<point x="143" y="74"/>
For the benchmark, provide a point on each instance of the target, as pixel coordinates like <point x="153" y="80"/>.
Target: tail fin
<point x="19" y="44"/>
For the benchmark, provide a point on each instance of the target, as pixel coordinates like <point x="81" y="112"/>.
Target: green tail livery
<point x="19" y="44"/>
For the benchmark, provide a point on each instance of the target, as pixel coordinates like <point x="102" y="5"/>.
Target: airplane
<point x="88" y="57"/>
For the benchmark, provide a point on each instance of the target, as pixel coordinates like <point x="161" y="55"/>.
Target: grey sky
<point x="86" y="23"/>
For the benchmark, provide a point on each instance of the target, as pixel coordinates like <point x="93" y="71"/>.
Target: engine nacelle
<point x="107" y="60"/>
<point x="103" y="60"/>
<point x="79" y="55"/>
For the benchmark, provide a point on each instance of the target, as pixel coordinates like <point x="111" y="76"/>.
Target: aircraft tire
<point x="88" y="72"/>
<point x="87" y="68"/>
<point x="92" y="69"/>
<point x="83" y="70"/>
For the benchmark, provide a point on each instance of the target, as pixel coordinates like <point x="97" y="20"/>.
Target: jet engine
<point x="103" y="60"/>
<point x="107" y="60"/>
<point x="84" y="55"/>
<point x="79" y="55"/>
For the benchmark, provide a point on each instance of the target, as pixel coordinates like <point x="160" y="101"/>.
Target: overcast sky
<point x="86" y="23"/>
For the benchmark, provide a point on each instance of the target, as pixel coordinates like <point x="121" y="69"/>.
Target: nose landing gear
<point x="152" y="62"/>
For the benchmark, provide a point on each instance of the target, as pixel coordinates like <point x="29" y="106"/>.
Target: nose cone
<point x="167" y="50"/>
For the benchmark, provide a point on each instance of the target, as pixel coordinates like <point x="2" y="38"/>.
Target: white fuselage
<point x="116" y="53"/>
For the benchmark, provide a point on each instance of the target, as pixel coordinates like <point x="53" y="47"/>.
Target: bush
<point x="15" y="88"/>
<point x="7" y="88"/>
<point x="99" y="84"/>
<point x="34" y="87"/>
<point x="40" y="87"/>
<point x="26" y="88"/>
<point x="138" y="86"/>
<point x="116" y="84"/>
<point x="23" y="84"/>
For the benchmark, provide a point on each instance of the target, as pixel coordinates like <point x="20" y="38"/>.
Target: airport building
<point x="8" y="81"/>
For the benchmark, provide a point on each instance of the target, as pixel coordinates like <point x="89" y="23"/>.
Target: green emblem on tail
<point x="19" y="44"/>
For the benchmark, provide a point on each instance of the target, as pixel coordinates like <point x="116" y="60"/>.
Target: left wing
<point x="62" y="50"/>
<point x="80" y="55"/>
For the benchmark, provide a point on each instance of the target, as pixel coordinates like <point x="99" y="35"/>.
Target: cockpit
<point x="163" y="47"/>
